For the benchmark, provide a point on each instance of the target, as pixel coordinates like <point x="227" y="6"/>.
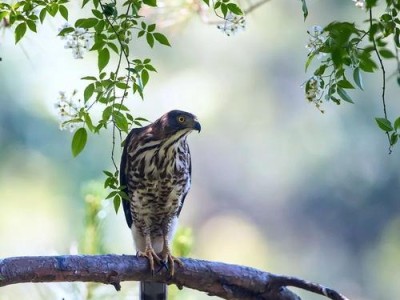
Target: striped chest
<point x="159" y="177"/>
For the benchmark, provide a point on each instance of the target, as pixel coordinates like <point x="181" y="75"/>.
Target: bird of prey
<point x="155" y="174"/>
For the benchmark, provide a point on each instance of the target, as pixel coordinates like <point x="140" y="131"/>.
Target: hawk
<point x="155" y="174"/>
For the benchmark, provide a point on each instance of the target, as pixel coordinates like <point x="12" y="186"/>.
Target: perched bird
<point x="155" y="174"/>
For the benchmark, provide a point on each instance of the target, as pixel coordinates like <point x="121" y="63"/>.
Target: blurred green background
<point x="276" y="184"/>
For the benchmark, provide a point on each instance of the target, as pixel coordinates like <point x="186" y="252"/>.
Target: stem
<point x="383" y="77"/>
<point x="123" y="53"/>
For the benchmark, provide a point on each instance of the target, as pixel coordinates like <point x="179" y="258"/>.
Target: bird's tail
<point x="153" y="291"/>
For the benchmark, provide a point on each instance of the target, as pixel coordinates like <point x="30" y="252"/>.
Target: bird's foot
<point x="151" y="256"/>
<point x="168" y="261"/>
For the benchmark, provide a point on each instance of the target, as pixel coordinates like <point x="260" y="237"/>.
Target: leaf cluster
<point x="343" y="54"/>
<point x="117" y="193"/>
<point x="26" y="14"/>
<point x="391" y="129"/>
<point x="349" y="50"/>
<point x="223" y="8"/>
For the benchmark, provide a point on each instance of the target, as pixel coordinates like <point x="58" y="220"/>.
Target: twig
<point x="383" y="77"/>
<point x="255" y="6"/>
<point x="246" y="11"/>
<point x="215" y="278"/>
<point x="309" y="286"/>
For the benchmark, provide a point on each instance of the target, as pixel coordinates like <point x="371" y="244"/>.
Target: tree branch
<point x="218" y="279"/>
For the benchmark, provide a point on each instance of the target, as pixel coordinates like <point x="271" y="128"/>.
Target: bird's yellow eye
<point x="181" y="119"/>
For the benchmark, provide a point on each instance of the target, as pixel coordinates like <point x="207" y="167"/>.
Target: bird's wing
<point x="190" y="179"/>
<point x="123" y="176"/>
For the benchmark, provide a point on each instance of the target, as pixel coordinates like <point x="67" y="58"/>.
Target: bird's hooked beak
<point x="196" y="125"/>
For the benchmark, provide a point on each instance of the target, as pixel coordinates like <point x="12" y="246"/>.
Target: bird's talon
<point x="169" y="262"/>
<point x="151" y="256"/>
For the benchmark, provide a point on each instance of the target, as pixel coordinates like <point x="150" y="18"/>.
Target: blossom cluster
<point x="79" y="40"/>
<point x="232" y="24"/>
<point x="316" y="42"/>
<point x="68" y="108"/>
<point x="359" y="3"/>
<point x="314" y="91"/>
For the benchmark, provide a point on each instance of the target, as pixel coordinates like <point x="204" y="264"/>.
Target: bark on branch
<point x="219" y="279"/>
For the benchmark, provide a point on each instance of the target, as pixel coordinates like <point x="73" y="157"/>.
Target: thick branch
<point x="219" y="279"/>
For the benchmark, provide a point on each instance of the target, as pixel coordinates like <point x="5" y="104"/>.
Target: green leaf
<point x="98" y="45"/>
<point x="66" y="30"/>
<point x="343" y="94"/>
<point x="98" y="14"/>
<point x="207" y="2"/>
<point x="31" y="24"/>
<point x="367" y="64"/>
<point x="122" y="85"/>
<point x="4" y="14"/>
<point x="112" y="194"/>
<point x="358" y="78"/>
<point x="79" y="141"/>
<point x="139" y="89"/>
<point x="103" y="59"/>
<point x="84" y="2"/>
<point x="52" y="9"/>
<point x="150" y="68"/>
<point x="385" y="53"/>
<point x="120" y="106"/>
<point x="384" y="124"/>
<point x="309" y="60"/>
<point x="145" y="77"/>
<point x="151" y="27"/>
<point x="102" y="75"/>
<point x="150" y="2"/>
<point x="42" y="15"/>
<point x="88" y="92"/>
<point x="121" y="121"/>
<point x="304" y="8"/>
<point x="397" y="37"/>
<point x="113" y="47"/>
<point x="233" y="8"/>
<point x="108" y="173"/>
<point x="100" y="27"/>
<point x="109" y="10"/>
<point x="123" y="195"/>
<point x="394" y="137"/>
<point x="397" y="123"/>
<point x="345" y="84"/>
<point x="63" y="11"/>
<point x="321" y="69"/>
<point x="88" y="121"/>
<point x="89" y="78"/>
<point x="224" y="9"/>
<point x="20" y="32"/>
<point x="150" y="39"/>
<point x="107" y="113"/>
<point x="86" y="23"/>
<point x="162" y="39"/>
<point x="117" y="203"/>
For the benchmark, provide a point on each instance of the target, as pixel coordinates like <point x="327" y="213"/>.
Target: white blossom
<point x="359" y="3"/>
<point x="67" y="108"/>
<point x="79" y="41"/>
<point x="316" y="42"/>
<point x="314" y="91"/>
<point x="232" y="24"/>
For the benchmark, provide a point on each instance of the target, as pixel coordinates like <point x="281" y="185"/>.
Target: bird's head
<point x="179" y="121"/>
